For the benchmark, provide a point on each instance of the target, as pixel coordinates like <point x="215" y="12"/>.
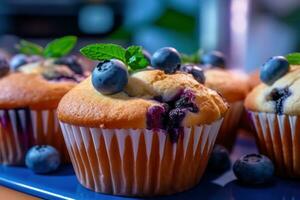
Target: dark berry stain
<point x="279" y="96"/>
<point x="169" y="115"/>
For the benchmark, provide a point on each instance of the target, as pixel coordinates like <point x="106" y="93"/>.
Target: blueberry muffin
<point x="30" y="91"/>
<point x="274" y="109"/>
<point x="233" y="86"/>
<point x="145" y="133"/>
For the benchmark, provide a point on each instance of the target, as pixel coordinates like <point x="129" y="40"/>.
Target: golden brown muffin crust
<point x="233" y="86"/>
<point x="84" y="106"/>
<point x="19" y="90"/>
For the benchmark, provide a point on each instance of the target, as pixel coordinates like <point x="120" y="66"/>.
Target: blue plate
<point x="63" y="184"/>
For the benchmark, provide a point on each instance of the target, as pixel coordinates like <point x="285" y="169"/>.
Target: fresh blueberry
<point x="71" y="62"/>
<point x="213" y="59"/>
<point x="147" y="55"/>
<point x="17" y="61"/>
<point x="219" y="160"/>
<point x="167" y="59"/>
<point x="4" y="67"/>
<point x="254" y="169"/>
<point x="195" y="70"/>
<point x="110" y="77"/>
<point x="42" y="159"/>
<point x="273" y="69"/>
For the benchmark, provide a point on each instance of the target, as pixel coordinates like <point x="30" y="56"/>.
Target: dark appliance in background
<point x="42" y="20"/>
<point x="51" y="18"/>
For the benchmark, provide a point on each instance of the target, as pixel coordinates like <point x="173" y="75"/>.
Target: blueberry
<point x="156" y="116"/>
<point x="42" y="159"/>
<point x="71" y="62"/>
<point x="17" y="61"/>
<point x="110" y="77"/>
<point x="4" y="67"/>
<point x="219" y="160"/>
<point x="278" y="96"/>
<point x="213" y="59"/>
<point x="273" y="69"/>
<point x="195" y="70"/>
<point x="167" y="59"/>
<point x="254" y="169"/>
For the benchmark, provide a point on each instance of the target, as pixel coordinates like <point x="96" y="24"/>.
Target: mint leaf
<point x="293" y="58"/>
<point x="104" y="52"/>
<point x="135" y="58"/>
<point x="192" y="58"/>
<point x="60" y="47"/>
<point x="30" y="48"/>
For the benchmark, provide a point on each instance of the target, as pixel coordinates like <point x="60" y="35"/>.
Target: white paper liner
<point x="228" y="130"/>
<point x="279" y="138"/>
<point x="20" y="129"/>
<point x="139" y="162"/>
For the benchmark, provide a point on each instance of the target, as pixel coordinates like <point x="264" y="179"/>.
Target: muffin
<point x="233" y="86"/>
<point x="274" y="109"/>
<point x="254" y="79"/>
<point x="29" y="96"/>
<point x="152" y="137"/>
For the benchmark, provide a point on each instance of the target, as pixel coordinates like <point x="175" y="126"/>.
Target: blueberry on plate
<point x="213" y="59"/>
<point x="195" y="70"/>
<point x="110" y="77"/>
<point x="71" y="62"/>
<point x="273" y="69"/>
<point x="17" y="61"/>
<point x="4" y="67"/>
<point x="166" y="59"/>
<point x="219" y="160"/>
<point x="254" y="169"/>
<point x="42" y="159"/>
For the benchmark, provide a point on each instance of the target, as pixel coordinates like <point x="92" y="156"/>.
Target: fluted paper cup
<point x="139" y="162"/>
<point x="228" y="130"/>
<point x="20" y="129"/>
<point x="278" y="137"/>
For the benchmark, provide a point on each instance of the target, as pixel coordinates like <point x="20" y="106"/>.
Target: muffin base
<point x="139" y="162"/>
<point x="20" y="129"/>
<point x="278" y="137"/>
<point x="228" y="130"/>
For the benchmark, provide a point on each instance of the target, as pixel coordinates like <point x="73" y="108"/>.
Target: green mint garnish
<point x="60" y="47"/>
<point x="54" y="49"/>
<point x="30" y="48"/>
<point x="293" y="58"/>
<point x="192" y="58"/>
<point x="135" y="58"/>
<point x="132" y="56"/>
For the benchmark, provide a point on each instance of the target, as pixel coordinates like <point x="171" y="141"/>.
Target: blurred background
<point x="247" y="31"/>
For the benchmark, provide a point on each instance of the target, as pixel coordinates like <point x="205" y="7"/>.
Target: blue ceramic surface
<point x="63" y="184"/>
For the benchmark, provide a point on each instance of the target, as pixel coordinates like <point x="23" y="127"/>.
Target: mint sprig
<point x="293" y="58"/>
<point x="30" y="48"/>
<point x="192" y="58"/>
<point x="133" y="56"/>
<point x="54" y="49"/>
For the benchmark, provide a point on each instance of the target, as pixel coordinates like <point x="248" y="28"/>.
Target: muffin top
<point x="281" y="97"/>
<point x="254" y="79"/>
<point x="38" y="85"/>
<point x="232" y="85"/>
<point x="151" y="99"/>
